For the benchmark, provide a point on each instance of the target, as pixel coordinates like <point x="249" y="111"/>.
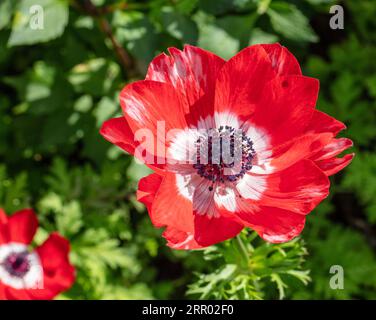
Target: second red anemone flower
<point x="287" y="147"/>
<point x="25" y="274"/>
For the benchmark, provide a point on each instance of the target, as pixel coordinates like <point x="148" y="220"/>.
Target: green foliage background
<point x="57" y="86"/>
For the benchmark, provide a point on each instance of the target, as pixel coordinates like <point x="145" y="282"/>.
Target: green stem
<point x="243" y="250"/>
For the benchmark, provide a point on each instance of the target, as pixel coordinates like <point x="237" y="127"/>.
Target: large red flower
<point x="259" y="104"/>
<point x="40" y="274"/>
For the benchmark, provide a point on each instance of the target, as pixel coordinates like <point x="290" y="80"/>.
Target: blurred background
<point x="58" y="84"/>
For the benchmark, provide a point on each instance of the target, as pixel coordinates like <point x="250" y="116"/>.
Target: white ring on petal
<point x="252" y="186"/>
<point x="182" y="146"/>
<point x="186" y="185"/>
<point x="226" y="119"/>
<point x="206" y="123"/>
<point x="225" y="197"/>
<point x="260" y="139"/>
<point x="203" y="199"/>
<point x="208" y="198"/>
<point x="262" y="147"/>
<point x="33" y="278"/>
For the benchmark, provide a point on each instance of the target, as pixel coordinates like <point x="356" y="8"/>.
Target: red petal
<point x="147" y="188"/>
<point x="3" y="217"/>
<point x="54" y="251"/>
<point x="180" y="240"/>
<point x="286" y="107"/>
<point x="4" y="233"/>
<point x="179" y="225"/>
<point x="321" y="122"/>
<point x="16" y="294"/>
<point x="22" y="226"/>
<point x="325" y="158"/>
<point x="2" y="292"/>
<point x="273" y="224"/>
<point x="146" y="102"/>
<point x="211" y="230"/>
<point x="153" y="110"/>
<point x="334" y="148"/>
<point x="283" y="61"/>
<point x="118" y="132"/>
<point x="241" y="80"/>
<point x="59" y="275"/>
<point x="192" y="71"/>
<point x="299" y="188"/>
<point x="287" y="154"/>
<point x="170" y="207"/>
<point x="333" y="165"/>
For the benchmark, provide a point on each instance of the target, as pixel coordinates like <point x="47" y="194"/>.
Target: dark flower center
<point x="223" y="154"/>
<point x="17" y="263"/>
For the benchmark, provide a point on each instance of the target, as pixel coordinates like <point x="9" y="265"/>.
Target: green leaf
<point x="238" y="27"/>
<point x="264" y="263"/>
<point x="219" y="7"/>
<point x="69" y="220"/>
<point x="359" y="263"/>
<point x="138" y="35"/>
<point x="214" y="38"/>
<point x="6" y="10"/>
<point x="179" y="26"/>
<point x="136" y="171"/>
<point x="51" y="201"/>
<point x="59" y="179"/>
<point x="288" y="20"/>
<point x="186" y="6"/>
<point x="83" y="104"/>
<point x="345" y="90"/>
<point x="316" y="2"/>
<point x="262" y="6"/>
<point x="362" y="172"/>
<point x="96" y="77"/>
<point x="105" y="109"/>
<point x="280" y="284"/>
<point x="13" y="192"/>
<point x="136" y="292"/>
<point x="260" y="36"/>
<point x="371" y="85"/>
<point x="95" y="244"/>
<point x="47" y="22"/>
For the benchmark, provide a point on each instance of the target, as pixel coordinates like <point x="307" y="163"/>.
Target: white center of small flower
<point x="20" y="268"/>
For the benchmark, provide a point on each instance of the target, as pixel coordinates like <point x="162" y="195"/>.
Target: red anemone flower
<point x="259" y="104"/>
<point x="39" y="274"/>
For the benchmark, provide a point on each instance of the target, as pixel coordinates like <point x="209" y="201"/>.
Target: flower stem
<point x="243" y="250"/>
